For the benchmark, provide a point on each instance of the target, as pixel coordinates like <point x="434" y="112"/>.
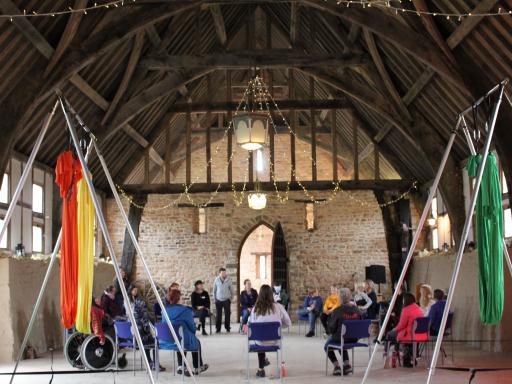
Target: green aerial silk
<point x="489" y="226"/>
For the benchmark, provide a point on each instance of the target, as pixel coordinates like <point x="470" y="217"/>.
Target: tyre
<point x="73" y="348"/>
<point x="96" y="356"/>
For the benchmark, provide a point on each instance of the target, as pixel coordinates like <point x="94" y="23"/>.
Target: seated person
<point x="200" y="300"/>
<point x="312" y="308"/>
<point x="331" y="303"/>
<point x="110" y="308"/>
<point x="280" y="295"/>
<point x="426" y="300"/>
<point x="179" y="312"/>
<point x="247" y="300"/>
<point x="361" y="299"/>
<point x="435" y="314"/>
<point x="265" y="311"/>
<point x="346" y="311"/>
<point x="140" y="312"/>
<point x="119" y="296"/>
<point x="402" y="333"/>
<point x="373" y="311"/>
<point x="156" y="308"/>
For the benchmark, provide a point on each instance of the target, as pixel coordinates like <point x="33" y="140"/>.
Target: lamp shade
<point x="251" y="130"/>
<point x="257" y="200"/>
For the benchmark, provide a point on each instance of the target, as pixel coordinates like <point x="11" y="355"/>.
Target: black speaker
<point x="376" y="273"/>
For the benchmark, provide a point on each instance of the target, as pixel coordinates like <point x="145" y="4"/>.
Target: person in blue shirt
<point x="436" y="312"/>
<point x="312" y="308"/>
<point x="248" y="299"/>
<point x="179" y="313"/>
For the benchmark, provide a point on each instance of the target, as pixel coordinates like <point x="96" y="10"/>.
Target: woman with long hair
<point x="265" y="311"/>
<point x="426" y="298"/>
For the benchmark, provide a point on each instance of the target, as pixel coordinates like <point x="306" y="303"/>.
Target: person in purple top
<point x="312" y="308"/>
<point x="436" y="312"/>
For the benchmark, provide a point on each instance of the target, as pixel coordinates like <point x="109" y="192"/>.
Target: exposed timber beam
<point x="378" y="185"/>
<point x="402" y="36"/>
<point x="243" y="59"/>
<point x="294" y="22"/>
<point x="218" y="22"/>
<point x="136" y="136"/>
<point x="284" y="105"/>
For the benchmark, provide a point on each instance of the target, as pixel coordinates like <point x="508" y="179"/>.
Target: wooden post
<point x="251" y="166"/>
<point x="134" y="217"/>
<point x="146" y="165"/>
<point x="313" y="130"/>
<point x="232" y="130"/>
<point x="293" y="125"/>
<point x="376" y="161"/>
<point x="188" y="143"/>
<point x="271" y="152"/>
<point x="208" y="133"/>
<point x="334" y="146"/>
<point x="355" y="141"/>
<point x="167" y="166"/>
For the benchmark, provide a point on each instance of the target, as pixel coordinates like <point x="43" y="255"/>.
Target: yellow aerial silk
<point x="85" y="218"/>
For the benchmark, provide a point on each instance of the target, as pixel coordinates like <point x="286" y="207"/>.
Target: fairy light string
<point x="258" y="92"/>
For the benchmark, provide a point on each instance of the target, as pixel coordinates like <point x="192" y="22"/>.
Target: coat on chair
<point x="406" y="324"/>
<point x="185" y="315"/>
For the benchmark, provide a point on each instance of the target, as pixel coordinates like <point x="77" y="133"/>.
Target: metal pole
<point x="142" y="259"/>
<point x="40" y="296"/>
<point x="27" y="170"/>
<point x="465" y="232"/>
<point x="421" y="223"/>
<point x="108" y="240"/>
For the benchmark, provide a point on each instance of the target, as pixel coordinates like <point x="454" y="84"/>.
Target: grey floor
<point x="304" y="361"/>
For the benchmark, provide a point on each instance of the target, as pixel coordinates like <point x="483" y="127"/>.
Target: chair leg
<point x="414" y="352"/>
<point x="116" y="352"/>
<point x="247" y="366"/>
<point x="134" y="356"/>
<point x="353" y="361"/>
<point x="326" y="360"/>
<point x="278" y="365"/>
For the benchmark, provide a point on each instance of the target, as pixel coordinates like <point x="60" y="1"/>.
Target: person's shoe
<point x="260" y="373"/>
<point x="267" y="362"/>
<point x="198" y="327"/>
<point x="407" y="363"/>
<point x="310" y="334"/>
<point x="228" y="330"/>
<point x="337" y="371"/>
<point x="217" y="331"/>
<point x="204" y="333"/>
<point x="203" y="368"/>
<point x="347" y="369"/>
<point x="179" y="371"/>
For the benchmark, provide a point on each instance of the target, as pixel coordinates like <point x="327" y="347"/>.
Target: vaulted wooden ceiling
<point x="127" y="70"/>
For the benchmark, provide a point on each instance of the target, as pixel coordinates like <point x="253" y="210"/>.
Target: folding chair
<point x="448" y="336"/>
<point x="266" y="332"/>
<point x="351" y="330"/>
<point x="124" y="331"/>
<point x="305" y="319"/>
<point x="420" y="335"/>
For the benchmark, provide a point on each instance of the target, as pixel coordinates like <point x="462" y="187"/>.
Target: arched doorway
<point x="255" y="257"/>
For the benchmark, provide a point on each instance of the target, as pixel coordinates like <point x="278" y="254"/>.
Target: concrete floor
<point x="305" y="363"/>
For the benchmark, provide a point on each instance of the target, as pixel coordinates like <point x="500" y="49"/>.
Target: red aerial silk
<point x="67" y="174"/>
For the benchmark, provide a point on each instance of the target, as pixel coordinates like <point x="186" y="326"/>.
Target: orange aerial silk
<point x="85" y="257"/>
<point x="67" y="174"/>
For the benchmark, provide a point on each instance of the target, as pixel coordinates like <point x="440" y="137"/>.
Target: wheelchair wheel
<point x="72" y="350"/>
<point x="96" y="356"/>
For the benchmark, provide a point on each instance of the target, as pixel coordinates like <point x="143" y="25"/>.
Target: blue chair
<point x="352" y="329"/>
<point x="124" y="331"/>
<point x="305" y="319"/>
<point x="448" y="334"/>
<point x="264" y="332"/>
<point x="420" y="336"/>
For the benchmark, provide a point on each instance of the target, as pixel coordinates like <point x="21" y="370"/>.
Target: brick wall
<point x="348" y="237"/>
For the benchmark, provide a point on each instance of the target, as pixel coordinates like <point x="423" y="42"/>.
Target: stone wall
<point x="349" y="236"/>
<point x="437" y="269"/>
<point x="20" y="283"/>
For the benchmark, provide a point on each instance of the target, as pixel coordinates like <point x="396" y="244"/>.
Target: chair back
<point x="163" y="333"/>
<point x="267" y="331"/>
<point x="123" y="329"/>
<point x="357" y="329"/>
<point x="420" y="329"/>
<point x="449" y="322"/>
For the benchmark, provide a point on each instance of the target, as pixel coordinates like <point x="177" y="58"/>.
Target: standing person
<point x="266" y="310"/>
<point x="331" y="303"/>
<point x="248" y="299"/>
<point x="373" y="310"/>
<point x="185" y="315"/>
<point x="362" y="299"/>
<point x="404" y="329"/>
<point x="312" y="308"/>
<point x="222" y="295"/>
<point x="426" y="299"/>
<point x="200" y="300"/>
<point x="119" y="295"/>
<point x="141" y="315"/>
<point x="347" y="311"/>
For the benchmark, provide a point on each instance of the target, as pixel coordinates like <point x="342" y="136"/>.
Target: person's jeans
<point x="202" y="314"/>
<point x="197" y="357"/>
<point x="330" y="353"/>
<point x="391" y="339"/>
<point x="226" y="306"/>
<point x="245" y="316"/>
<point x="312" y="316"/>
